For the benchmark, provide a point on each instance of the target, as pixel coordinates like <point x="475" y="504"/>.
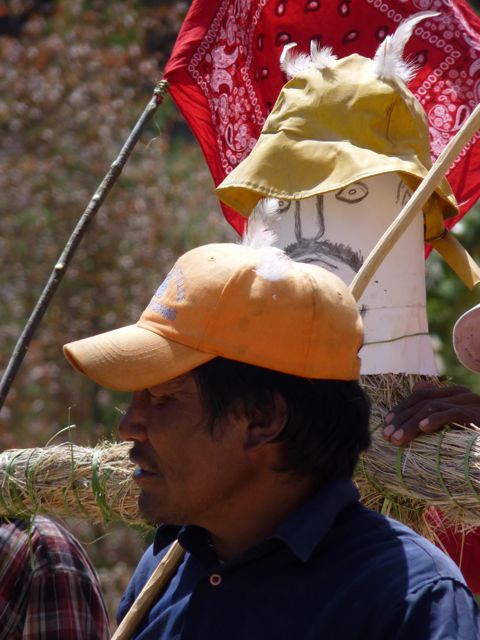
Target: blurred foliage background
<point x="74" y="78"/>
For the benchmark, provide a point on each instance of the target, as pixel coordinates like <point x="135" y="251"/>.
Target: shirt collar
<point x="301" y="532"/>
<point x="310" y="523"/>
<point x="165" y="535"/>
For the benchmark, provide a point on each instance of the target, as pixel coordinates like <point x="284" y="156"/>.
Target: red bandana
<point x="225" y="74"/>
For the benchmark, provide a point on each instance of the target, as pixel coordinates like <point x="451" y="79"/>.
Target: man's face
<point x="187" y="474"/>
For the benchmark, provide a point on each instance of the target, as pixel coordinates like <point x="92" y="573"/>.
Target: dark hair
<point x="327" y="424"/>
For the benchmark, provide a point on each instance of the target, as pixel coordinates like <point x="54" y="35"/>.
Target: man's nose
<point x="132" y="425"/>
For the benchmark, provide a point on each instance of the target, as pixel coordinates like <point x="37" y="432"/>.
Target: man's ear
<point x="262" y="430"/>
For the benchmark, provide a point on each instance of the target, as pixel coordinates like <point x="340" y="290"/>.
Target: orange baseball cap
<point x="246" y="304"/>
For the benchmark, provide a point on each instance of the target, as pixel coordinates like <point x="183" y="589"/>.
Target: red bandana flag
<point x="225" y="76"/>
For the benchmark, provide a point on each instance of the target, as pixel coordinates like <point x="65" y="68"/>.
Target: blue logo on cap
<point x="175" y="274"/>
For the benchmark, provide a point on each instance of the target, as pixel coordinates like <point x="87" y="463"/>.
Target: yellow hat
<point x="251" y="305"/>
<point x="331" y="127"/>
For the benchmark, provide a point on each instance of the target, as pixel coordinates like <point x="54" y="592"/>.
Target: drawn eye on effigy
<point x="337" y="230"/>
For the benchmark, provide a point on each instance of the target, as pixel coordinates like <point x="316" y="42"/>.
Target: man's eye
<point x="161" y="400"/>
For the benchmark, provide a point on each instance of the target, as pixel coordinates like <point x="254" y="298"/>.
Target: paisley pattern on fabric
<point x="230" y="71"/>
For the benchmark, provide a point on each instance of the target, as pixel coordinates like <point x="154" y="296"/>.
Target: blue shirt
<point x="333" y="571"/>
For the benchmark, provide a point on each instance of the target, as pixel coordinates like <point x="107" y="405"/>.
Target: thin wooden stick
<point x="159" y="579"/>
<point x="415" y="204"/>
<point x="60" y="267"/>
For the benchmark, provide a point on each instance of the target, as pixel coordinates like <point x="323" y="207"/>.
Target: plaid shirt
<point x="48" y="587"/>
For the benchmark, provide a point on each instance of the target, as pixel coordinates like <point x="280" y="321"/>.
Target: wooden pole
<point x="152" y="589"/>
<point x="415" y="204"/>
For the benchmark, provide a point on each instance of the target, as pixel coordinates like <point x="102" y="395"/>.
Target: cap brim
<point x="466" y="339"/>
<point x="132" y="358"/>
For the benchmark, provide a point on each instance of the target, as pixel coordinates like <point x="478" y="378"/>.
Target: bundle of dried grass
<point x="68" y="480"/>
<point x="440" y="470"/>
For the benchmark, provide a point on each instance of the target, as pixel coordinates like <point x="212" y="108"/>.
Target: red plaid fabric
<point x="225" y="75"/>
<point x="48" y="588"/>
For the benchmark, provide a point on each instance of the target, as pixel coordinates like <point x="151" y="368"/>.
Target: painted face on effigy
<point x="337" y="230"/>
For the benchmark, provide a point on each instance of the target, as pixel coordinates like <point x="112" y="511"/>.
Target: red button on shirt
<point x="215" y="579"/>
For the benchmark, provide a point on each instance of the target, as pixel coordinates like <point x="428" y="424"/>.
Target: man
<point x="247" y="422"/>
<point x="48" y="588"/>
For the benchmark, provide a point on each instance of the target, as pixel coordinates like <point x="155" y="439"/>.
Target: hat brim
<point x="466" y="339"/>
<point x="315" y="167"/>
<point x="132" y="358"/>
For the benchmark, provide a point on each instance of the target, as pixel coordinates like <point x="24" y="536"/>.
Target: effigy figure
<point x="343" y="147"/>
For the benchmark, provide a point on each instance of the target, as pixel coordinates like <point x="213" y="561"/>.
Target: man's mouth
<point x="142" y="469"/>
<point x="141" y="473"/>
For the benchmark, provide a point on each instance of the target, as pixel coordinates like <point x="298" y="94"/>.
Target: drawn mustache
<point x="323" y="250"/>
<point x="316" y="250"/>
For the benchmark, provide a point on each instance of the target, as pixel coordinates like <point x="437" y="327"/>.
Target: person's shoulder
<point x="11" y="529"/>
<point x="426" y="556"/>
<point x="50" y="533"/>
<point x="31" y="531"/>
<point x="144" y="569"/>
<point x="146" y="565"/>
<point x="141" y="574"/>
<point x="396" y="549"/>
<point x="55" y="548"/>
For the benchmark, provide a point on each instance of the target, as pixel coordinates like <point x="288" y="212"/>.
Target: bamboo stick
<point x="152" y="589"/>
<point x="415" y="204"/>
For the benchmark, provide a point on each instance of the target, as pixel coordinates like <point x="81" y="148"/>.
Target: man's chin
<point x="148" y="509"/>
<point x="156" y="511"/>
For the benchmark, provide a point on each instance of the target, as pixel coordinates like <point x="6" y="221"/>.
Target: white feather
<point x="388" y="62"/>
<point x="257" y="234"/>
<point x="274" y="264"/>
<point x="322" y="57"/>
<point x="292" y="64"/>
<point x="269" y="210"/>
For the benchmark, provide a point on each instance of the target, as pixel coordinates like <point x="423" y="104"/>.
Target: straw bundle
<point x="440" y="470"/>
<point x="68" y="480"/>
